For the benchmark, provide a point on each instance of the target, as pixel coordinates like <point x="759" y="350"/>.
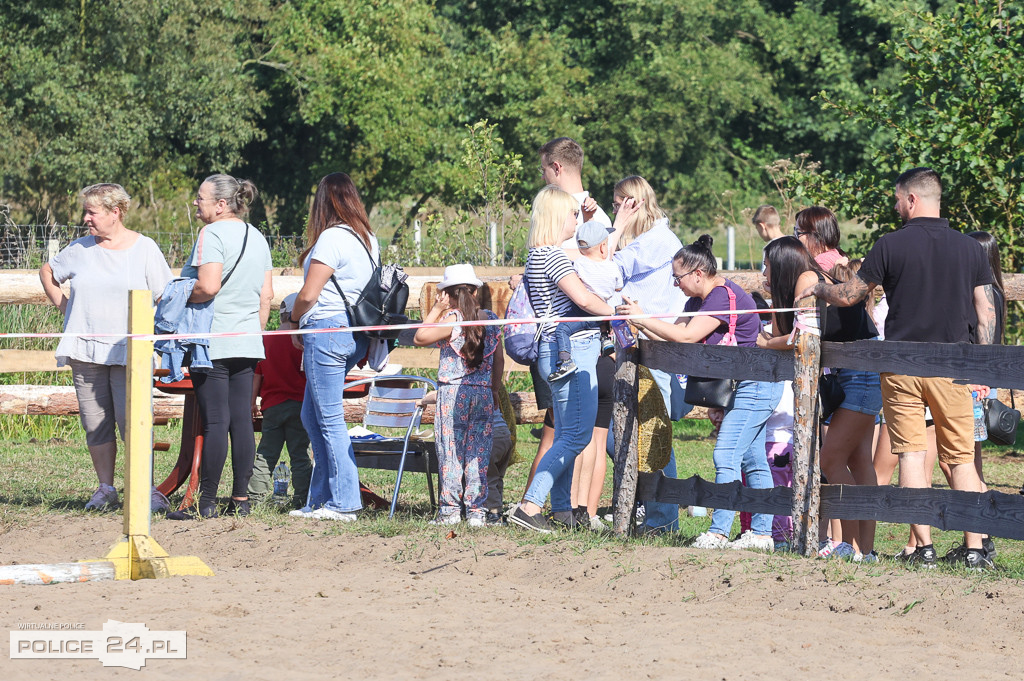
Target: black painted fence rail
<point x="994" y="513"/>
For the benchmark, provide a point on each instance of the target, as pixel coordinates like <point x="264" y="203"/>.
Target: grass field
<point x="53" y="477"/>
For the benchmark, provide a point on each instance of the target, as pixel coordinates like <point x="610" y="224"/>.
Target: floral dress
<point x="462" y="422"/>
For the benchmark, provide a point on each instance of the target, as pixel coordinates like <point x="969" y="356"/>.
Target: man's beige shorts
<point x="903" y="402"/>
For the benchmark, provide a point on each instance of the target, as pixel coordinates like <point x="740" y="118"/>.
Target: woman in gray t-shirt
<point x="102" y="268"/>
<point x="231" y="264"/>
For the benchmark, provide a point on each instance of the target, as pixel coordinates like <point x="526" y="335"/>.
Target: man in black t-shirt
<point x="938" y="286"/>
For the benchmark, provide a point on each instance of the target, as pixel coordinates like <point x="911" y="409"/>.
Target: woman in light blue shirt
<point x="341" y="254"/>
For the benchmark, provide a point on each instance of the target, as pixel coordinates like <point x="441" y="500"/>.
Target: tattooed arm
<point x="844" y="294"/>
<point x="985" y="307"/>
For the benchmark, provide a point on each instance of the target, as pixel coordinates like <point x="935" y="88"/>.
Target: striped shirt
<point x="646" y="266"/>
<point x="545" y="266"/>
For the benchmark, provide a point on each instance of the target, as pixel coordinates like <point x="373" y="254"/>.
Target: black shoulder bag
<point x="383" y="300"/>
<point x="1001" y="421"/>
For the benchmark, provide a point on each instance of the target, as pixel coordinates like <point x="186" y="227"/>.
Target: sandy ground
<point x="296" y="602"/>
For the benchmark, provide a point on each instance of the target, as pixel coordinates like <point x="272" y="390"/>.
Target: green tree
<point x="957" y="108"/>
<point x="121" y="91"/>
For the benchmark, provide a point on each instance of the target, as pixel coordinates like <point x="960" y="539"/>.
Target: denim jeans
<point x="327" y="358"/>
<point x="575" y="408"/>
<point x="740" y="446"/>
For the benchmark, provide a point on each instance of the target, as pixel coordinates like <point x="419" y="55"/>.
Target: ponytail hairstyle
<point x="990" y="245"/>
<point x="463" y="298"/>
<point x="788" y="259"/>
<point x="239" y="195"/>
<point x="698" y="256"/>
<point x="336" y="202"/>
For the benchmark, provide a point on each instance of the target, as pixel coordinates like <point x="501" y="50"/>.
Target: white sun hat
<point x="459" y="274"/>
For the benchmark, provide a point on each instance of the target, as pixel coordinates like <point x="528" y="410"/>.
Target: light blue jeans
<point x="327" y="358"/>
<point x="575" y="408"/>
<point x="740" y="446"/>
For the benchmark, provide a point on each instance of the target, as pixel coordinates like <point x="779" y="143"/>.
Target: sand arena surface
<point x="292" y="602"/>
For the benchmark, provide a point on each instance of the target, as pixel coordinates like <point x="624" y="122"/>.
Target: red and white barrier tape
<point x="399" y="327"/>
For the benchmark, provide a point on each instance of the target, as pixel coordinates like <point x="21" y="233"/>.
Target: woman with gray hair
<point x="102" y="268"/>
<point x="231" y="264"/>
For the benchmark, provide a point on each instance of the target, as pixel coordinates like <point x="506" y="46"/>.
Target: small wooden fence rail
<point x="993" y="513"/>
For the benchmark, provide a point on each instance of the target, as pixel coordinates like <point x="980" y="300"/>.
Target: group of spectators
<point x="938" y="284"/>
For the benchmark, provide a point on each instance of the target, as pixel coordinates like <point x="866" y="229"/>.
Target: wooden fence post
<point x="806" y="465"/>
<point x="626" y="424"/>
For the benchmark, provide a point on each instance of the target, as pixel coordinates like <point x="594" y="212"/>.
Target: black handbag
<point x="715" y="393"/>
<point x="382" y="301"/>
<point x="830" y="394"/>
<point x="1001" y="421"/>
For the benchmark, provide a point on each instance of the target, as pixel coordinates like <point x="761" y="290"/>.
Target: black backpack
<point x="383" y="300"/>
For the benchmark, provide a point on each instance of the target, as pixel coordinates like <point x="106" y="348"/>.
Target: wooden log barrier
<point x="626" y="425"/>
<point x="806" y="463"/>
<point x="59" y="400"/>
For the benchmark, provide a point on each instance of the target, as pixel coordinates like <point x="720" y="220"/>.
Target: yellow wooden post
<point x="137" y="555"/>
<point x="138" y="459"/>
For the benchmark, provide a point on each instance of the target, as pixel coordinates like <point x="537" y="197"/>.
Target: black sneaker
<point x="193" y="512"/>
<point x="563" y="520"/>
<point x="580" y="518"/>
<point x="494" y="518"/>
<point x="536" y="523"/>
<point x="989" y="547"/>
<point x="238" y="508"/>
<point x="975" y="559"/>
<point x="562" y="370"/>
<point x="923" y="557"/>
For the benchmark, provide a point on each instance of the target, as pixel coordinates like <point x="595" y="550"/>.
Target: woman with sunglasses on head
<point x="818" y="230"/>
<point x="847" y="448"/>
<point x="741" y="438"/>
<point x="643" y="245"/>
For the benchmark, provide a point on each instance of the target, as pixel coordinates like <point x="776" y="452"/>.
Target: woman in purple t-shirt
<point x="741" y="438"/>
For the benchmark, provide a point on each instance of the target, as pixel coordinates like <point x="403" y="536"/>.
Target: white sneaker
<point x="476" y="521"/>
<point x="446" y="520"/>
<point x="103" y="499"/>
<point x="596" y="525"/>
<point x="328" y="514"/>
<point x="749" y="541"/>
<point x="710" y="541"/>
<point x="301" y="513"/>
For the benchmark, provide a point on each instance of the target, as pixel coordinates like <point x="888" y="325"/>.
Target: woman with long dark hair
<point x="846" y="449"/>
<point x="340" y="257"/>
<point x="741" y="438"/>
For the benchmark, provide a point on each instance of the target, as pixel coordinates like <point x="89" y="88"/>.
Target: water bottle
<point x="624" y="337"/>
<point x="281" y="476"/>
<point x="980" y="430"/>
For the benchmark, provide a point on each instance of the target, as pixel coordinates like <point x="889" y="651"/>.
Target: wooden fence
<point x="994" y="513"/>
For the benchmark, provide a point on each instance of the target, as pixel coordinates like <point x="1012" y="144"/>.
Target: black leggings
<point x="224" y="394"/>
